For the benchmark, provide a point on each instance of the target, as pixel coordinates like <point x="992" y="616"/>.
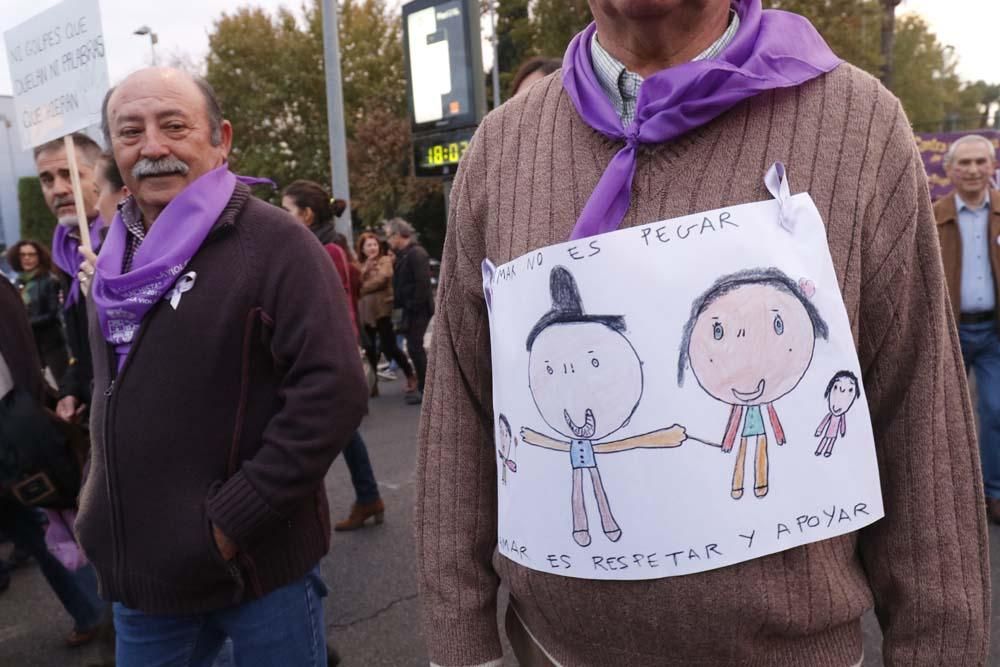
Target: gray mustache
<point x="62" y="201"/>
<point x="162" y="167"/>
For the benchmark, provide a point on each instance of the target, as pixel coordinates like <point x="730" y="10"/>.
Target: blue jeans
<point x="76" y="590"/>
<point x="981" y="350"/>
<point x="360" y="467"/>
<point x="285" y="627"/>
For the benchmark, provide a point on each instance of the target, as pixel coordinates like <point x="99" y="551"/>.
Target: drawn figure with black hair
<point x="749" y="341"/>
<point x="586" y="380"/>
<point x="840" y="395"/>
<point x="506" y="448"/>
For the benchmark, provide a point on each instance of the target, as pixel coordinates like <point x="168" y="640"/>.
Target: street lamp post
<point x="13" y="175"/>
<point x="335" y="114"/>
<point x="153" y="39"/>
<point x="496" y="56"/>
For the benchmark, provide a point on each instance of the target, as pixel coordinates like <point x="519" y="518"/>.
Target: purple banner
<point x="933" y="146"/>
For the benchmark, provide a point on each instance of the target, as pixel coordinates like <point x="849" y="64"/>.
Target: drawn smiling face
<point x="585" y="378"/>
<point x="842" y="396"/>
<point x="752" y="345"/>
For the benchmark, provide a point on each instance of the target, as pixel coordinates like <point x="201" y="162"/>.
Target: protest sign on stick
<point x="60" y="76"/>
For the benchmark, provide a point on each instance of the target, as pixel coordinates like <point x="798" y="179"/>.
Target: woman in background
<point x="311" y="205"/>
<point x="375" y="309"/>
<point x="531" y="71"/>
<point x="40" y="293"/>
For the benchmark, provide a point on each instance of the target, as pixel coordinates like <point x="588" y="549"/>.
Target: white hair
<point x="949" y="157"/>
<point x="401" y="227"/>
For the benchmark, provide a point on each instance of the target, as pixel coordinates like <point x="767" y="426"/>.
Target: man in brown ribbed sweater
<point x="524" y="183"/>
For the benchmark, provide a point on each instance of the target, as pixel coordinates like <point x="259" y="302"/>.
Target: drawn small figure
<point x="506" y="449"/>
<point x="750" y="340"/>
<point x="840" y="395"/>
<point x="586" y="380"/>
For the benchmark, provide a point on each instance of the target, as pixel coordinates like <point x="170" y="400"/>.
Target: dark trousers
<point x="981" y="351"/>
<point x="55" y="358"/>
<point x="360" y="467"/>
<point x="415" y="346"/>
<point x="76" y="590"/>
<point x="386" y="345"/>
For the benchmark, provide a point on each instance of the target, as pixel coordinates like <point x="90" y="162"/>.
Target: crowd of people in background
<point x="216" y="400"/>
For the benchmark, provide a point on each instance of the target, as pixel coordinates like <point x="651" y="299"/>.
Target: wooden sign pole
<point x="74" y="173"/>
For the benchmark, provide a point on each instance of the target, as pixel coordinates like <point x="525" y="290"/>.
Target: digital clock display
<point x="439" y="154"/>
<point x="442" y="154"/>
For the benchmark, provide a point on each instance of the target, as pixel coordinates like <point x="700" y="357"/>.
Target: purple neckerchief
<point x="123" y="300"/>
<point x="771" y="49"/>
<point x="66" y="254"/>
<point x="256" y="180"/>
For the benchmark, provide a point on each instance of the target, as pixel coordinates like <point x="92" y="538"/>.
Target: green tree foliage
<point x="515" y="38"/>
<point x="37" y="221"/>
<point x="269" y="74"/>
<point x="924" y="76"/>
<point x="378" y="129"/>
<point x="556" y="22"/>
<point x="380" y="155"/>
<point x="371" y="52"/>
<point x="980" y="102"/>
<point x="852" y="28"/>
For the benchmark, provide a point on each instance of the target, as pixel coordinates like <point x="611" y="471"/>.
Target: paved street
<point x="372" y="611"/>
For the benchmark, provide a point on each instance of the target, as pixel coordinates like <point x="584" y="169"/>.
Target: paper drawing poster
<point x="677" y="397"/>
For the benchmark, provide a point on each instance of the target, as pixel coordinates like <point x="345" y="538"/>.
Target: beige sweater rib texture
<point x="846" y="141"/>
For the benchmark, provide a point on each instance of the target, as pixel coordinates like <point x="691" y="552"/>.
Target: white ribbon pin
<point x="184" y="284"/>
<point x="776" y="181"/>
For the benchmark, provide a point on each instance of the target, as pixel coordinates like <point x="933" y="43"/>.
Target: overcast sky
<point x="183" y="25"/>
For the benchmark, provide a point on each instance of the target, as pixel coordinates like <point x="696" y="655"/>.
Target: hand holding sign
<point x="87" y="267"/>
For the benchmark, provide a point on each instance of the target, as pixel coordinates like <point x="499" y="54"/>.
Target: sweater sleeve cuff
<point x="239" y="510"/>
<point x="473" y="641"/>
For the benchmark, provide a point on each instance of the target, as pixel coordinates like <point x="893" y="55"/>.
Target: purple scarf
<point x="771" y="49"/>
<point x="123" y="300"/>
<point x="66" y="254"/>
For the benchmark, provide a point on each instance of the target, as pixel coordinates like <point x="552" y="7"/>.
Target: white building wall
<point x="15" y="162"/>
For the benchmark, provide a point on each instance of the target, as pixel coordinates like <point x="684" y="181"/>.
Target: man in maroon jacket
<point x="226" y="381"/>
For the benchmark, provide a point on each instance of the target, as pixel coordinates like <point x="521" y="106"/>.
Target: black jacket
<point x="43" y="305"/>
<point x="228" y="411"/>
<point x="32" y="440"/>
<point x="411" y="281"/>
<point x="79" y="375"/>
<point x="16" y="343"/>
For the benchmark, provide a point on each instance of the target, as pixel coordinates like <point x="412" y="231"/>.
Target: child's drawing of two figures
<point x="749" y="341"/>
